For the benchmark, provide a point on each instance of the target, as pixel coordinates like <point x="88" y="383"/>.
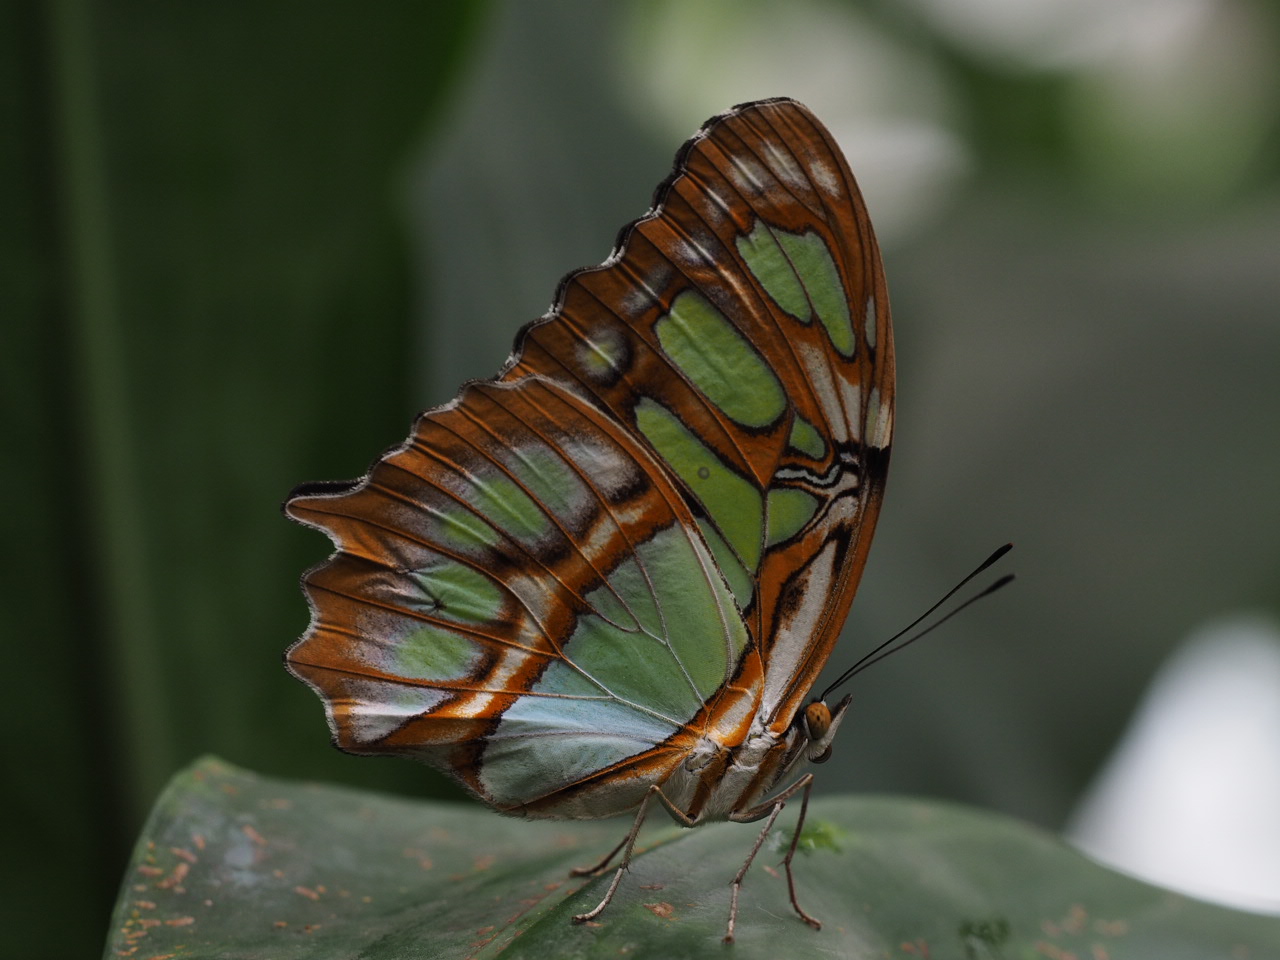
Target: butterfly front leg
<point x="626" y="846"/>
<point x="771" y="808"/>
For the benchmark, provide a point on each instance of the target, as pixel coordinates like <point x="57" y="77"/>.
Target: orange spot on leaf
<point x="1054" y="952"/>
<point x="1111" y="928"/>
<point x="1076" y="919"/>
<point x="176" y="877"/>
<point x="413" y="853"/>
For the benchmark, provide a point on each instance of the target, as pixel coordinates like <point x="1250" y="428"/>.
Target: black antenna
<point x="880" y="652"/>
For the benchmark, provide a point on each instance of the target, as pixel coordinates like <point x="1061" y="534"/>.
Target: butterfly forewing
<point x="651" y="525"/>
<point x="743" y="330"/>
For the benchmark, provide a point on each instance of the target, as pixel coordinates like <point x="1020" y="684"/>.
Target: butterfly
<point x="608" y="577"/>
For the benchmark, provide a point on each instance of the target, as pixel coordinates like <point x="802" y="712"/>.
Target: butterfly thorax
<point x="717" y="780"/>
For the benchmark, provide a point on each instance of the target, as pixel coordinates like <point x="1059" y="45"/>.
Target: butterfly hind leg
<point x="603" y="864"/>
<point x="771" y="808"/>
<point x="628" y="842"/>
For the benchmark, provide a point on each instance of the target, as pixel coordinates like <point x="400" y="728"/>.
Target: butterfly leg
<point x="771" y="808"/>
<point x="626" y="846"/>
<point x="598" y="868"/>
<point x="791" y="852"/>
<point x="736" y="884"/>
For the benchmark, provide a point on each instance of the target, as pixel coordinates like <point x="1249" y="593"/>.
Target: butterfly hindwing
<point x="518" y="581"/>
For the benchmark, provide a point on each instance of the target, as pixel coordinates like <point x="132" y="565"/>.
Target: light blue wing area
<point x="519" y="596"/>
<point x="563" y="733"/>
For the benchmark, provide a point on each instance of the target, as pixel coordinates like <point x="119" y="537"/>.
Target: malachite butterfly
<point x="611" y="574"/>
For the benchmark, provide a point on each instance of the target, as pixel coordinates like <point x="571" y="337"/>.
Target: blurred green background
<point x="243" y="244"/>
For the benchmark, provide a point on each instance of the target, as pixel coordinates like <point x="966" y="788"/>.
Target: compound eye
<point x="817" y="719"/>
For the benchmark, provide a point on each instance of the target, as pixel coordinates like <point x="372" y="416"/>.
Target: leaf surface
<point x="234" y="865"/>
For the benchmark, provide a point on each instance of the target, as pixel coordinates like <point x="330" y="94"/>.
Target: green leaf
<point x="233" y="865"/>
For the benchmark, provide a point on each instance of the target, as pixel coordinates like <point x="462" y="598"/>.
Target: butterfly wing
<point x="655" y="517"/>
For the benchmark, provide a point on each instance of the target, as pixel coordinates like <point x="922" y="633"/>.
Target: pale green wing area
<point x="631" y="676"/>
<point x="740" y="581"/>
<point x="719" y="361"/>
<point x="733" y="503"/>
<point x="806" y="439"/>
<point x="801" y="276"/>
<point x="789" y="510"/>
<point x="678" y="622"/>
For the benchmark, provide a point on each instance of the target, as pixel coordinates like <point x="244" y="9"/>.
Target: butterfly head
<point x="819" y="723"/>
